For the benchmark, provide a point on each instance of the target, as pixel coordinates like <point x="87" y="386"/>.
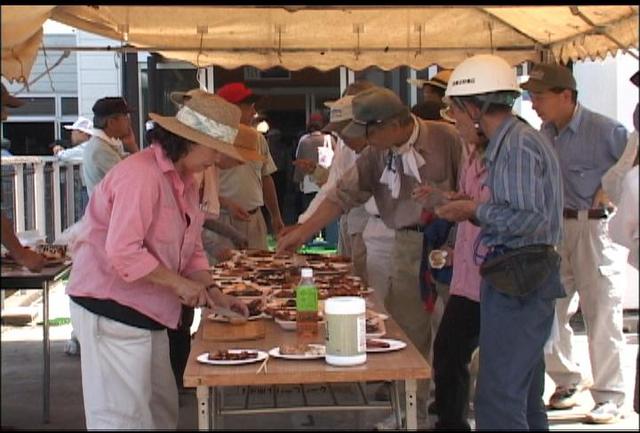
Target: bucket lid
<point x="345" y="305"/>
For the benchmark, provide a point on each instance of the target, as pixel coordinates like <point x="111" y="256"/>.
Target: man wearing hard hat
<point x="521" y="225"/>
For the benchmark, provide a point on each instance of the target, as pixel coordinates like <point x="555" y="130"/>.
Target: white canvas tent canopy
<point x="326" y="37"/>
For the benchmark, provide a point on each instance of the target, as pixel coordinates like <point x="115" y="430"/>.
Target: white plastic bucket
<point x="345" y="331"/>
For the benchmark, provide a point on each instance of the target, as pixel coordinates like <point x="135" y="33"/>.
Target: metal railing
<point x="42" y="195"/>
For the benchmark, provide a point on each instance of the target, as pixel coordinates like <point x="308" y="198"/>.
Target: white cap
<point x="306" y="272"/>
<point x="341" y="109"/>
<point x="82" y="124"/>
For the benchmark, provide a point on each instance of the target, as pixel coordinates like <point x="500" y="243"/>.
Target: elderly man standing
<point x="352" y="223"/>
<point x="404" y="152"/>
<point x="588" y="144"/>
<point x="111" y="124"/>
<point x="521" y="224"/>
<point x="246" y="188"/>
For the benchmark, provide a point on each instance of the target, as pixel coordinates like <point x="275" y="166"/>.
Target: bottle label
<point x="345" y="334"/>
<point x="306" y="298"/>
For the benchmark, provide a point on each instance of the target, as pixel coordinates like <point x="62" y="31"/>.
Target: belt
<point x="501" y="249"/>
<point x="414" y="228"/>
<point x="592" y="214"/>
<point x="254" y="210"/>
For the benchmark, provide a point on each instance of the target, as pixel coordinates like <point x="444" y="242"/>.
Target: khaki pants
<point x="359" y="256"/>
<point x="344" y="240"/>
<point x="255" y="229"/>
<point x="404" y="303"/>
<point x="378" y="239"/>
<point x="352" y="245"/>
<point x="127" y="382"/>
<point x="589" y="269"/>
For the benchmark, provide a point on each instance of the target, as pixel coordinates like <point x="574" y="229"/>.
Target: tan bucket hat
<point x="441" y="79"/>
<point x="209" y="120"/>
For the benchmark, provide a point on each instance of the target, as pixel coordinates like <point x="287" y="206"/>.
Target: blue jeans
<point x="513" y="332"/>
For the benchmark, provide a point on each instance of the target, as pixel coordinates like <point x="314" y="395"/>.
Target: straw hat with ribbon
<point x="207" y="119"/>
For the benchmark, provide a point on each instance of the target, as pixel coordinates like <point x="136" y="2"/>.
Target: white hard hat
<point x="480" y="74"/>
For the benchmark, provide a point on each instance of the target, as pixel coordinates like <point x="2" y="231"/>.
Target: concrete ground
<point x="21" y="404"/>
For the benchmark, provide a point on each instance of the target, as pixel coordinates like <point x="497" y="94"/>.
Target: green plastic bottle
<point x="307" y="307"/>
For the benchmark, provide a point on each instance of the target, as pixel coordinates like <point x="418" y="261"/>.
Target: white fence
<point x="42" y="195"/>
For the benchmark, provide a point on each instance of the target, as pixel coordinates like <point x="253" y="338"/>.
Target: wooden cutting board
<point x="218" y="331"/>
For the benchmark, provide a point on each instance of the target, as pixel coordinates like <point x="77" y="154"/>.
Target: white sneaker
<point x="72" y="348"/>
<point x="604" y="413"/>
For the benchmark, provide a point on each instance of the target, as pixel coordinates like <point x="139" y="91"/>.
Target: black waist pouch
<point x="519" y="271"/>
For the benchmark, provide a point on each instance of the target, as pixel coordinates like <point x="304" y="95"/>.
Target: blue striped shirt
<point x="526" y="189"/>
<point x="587" y="147"/>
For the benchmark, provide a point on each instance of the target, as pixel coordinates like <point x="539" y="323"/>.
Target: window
<point x="35" y="106"/>
<point x="29" y="138"/>
<point x="39" y="122"/>
<point x="69" y="106"/>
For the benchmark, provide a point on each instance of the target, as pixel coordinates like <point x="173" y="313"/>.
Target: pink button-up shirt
<point x="142" y="214"/>
<point x="466" y="274"/>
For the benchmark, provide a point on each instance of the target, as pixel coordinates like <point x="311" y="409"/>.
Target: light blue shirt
<point x="526" y="189"/>
<point x="587" y="147"/>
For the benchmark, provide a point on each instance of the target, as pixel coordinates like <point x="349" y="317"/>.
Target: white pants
<point x="589" y="269"/>
<point x="378" y="239"/>
<point x="127" y="382"/>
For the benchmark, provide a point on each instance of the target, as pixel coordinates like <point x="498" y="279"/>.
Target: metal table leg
<point x="410" y="388"/>
<point x="202" y="393"/>
<point x="46" y="349"/>
<point x="395" y="402"/>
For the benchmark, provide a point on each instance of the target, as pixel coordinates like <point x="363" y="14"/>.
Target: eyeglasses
<point x="367" y="124"/>
<point x="447" y="114"/>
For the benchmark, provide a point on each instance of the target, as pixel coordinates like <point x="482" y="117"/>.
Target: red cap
<point x="234" y="92"/>
<point x="316" y="117"/>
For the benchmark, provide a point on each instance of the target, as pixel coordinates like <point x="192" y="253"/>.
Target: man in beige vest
<point x="404" y="152"/>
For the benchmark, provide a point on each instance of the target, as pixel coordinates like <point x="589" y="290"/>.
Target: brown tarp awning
<point x="326" y="37"/>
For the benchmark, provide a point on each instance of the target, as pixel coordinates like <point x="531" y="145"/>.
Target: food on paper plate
<point x="286" y="315"/>
<point x="378" y="344"/>
<point x="255" y="307"/>
<point x="225" y="355"/>
<point x="302" y="349"/>
<point x="51" y="251"/>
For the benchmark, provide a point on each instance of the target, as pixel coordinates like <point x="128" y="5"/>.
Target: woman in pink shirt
<point x="139" y="258"/>
<point x="459" y="330"/>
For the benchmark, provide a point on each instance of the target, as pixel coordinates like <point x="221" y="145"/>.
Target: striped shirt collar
<point x="492" y="148"/>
